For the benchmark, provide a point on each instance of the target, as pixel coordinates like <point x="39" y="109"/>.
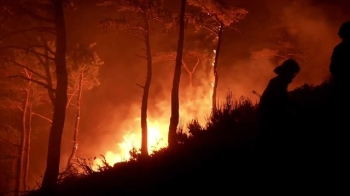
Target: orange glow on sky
<point x="198" y="108"/>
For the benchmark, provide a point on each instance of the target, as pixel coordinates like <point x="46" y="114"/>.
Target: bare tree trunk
<point x="174" y="118"/>
<point x="144" y="140"/>
<point x="49" y="183"/>
<point x="19" y="177"/>
<point x="77" y="121"/>
<point x="215" y="67"/>
<point x="46" y="65"/>
<point x="29" y="129"/>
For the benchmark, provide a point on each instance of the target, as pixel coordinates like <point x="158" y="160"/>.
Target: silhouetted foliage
<point x="202" y="143"/>
<point x="224" y="148"/>
<point x="234" y="123"/>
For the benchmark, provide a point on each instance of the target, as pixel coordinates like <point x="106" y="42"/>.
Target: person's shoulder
<point x="274" y="79"/>
<point x="342" y="45"/>
<point x="343" y="48"/>
<point x="338" y="46"/>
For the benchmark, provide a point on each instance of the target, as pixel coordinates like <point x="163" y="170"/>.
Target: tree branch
<point x="215" y="33"/>
<point x="25" y="67"/>
<point x="40" y="29"/>
<point x="168" y="57"/>
<point x="35" y="16"/>
<point x="20" y="109"/>
<point x="32" y="80"/>
<point x="45" y="47"/>
<point x="235" y="30"/>
<point x="210" y="14"/>
<point x="44" y="41"/>
<point x="185" y="66"/>
<point x="140" y="85"/>
<point x="29" y="75"/>
<point x="46" y="64"/>
<point x="70" y="98"/>
<point x="41" y="116"/>
<point x="195" y="67"/>
<point x="140" y="56"/>
<point x="28" y="50"/>
<point x="74" y="105"/>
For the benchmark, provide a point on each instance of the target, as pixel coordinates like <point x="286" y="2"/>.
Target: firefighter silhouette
<point x="274" y="114"/>
<point x="340" y="60"/>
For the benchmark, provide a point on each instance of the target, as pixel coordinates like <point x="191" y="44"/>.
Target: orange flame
<point x="158" y="127"/>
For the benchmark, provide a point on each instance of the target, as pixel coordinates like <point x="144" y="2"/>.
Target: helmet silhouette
<point x="344" y="30"/>
<point x="288" y="67"/>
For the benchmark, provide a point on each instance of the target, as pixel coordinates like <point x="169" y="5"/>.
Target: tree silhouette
<point x="84" y="64"/>
<point x="37" y="39"/>
<point x="30" y="95"/>
<point x="25" y="138"/>
<point x="48" y="17"/>
<point x="174" y="118"/>
<point x="190" y="61"/>
<point x="16" y="97"/>
<point x="54" y="150"/>
<point x="137" y="22"/>
<point x="216" y="15"/>
<point x="20" y="62"/>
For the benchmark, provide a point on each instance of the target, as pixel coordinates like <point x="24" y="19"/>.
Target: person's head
<point x="288" y="69"/>
<point x="344" y="31"/>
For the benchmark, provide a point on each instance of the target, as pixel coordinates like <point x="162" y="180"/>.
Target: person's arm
<point x="334" y="62"/>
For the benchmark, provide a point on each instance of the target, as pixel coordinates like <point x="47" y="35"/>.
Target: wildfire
<point x="157" y="139"/>
<point x="199" y="107"/>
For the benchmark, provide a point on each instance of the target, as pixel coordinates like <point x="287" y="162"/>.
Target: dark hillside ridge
<point x="222" y="158"/>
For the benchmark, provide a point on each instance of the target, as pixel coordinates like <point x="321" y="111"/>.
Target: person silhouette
<point x="274" y="116"/>
<point x="338" y="105"/>
<point x="340" y="59"/>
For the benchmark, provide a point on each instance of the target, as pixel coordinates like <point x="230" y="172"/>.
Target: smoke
<point x="111" y="111"/>
<point x="306" y="26"/>
<point x="316" y="33"/>
<point x="303" y="24"/>
<point x="244" y="77"/>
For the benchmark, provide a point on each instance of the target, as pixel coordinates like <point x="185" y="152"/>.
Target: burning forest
<point x="129" y="97"/>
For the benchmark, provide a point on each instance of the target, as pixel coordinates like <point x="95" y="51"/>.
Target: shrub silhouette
<point x="223" y="151"/>
<point x="233" y="123"/>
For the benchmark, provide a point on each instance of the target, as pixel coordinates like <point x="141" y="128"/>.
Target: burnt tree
<point x="216" y="15"/>
<point x="174" y="118"/>
<point x="137" y="22"/>
<point x="190" y="60"/>
<point x="59" y="112"/>
<point x="44" y="18"/>
<point x="83" y="64"/>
